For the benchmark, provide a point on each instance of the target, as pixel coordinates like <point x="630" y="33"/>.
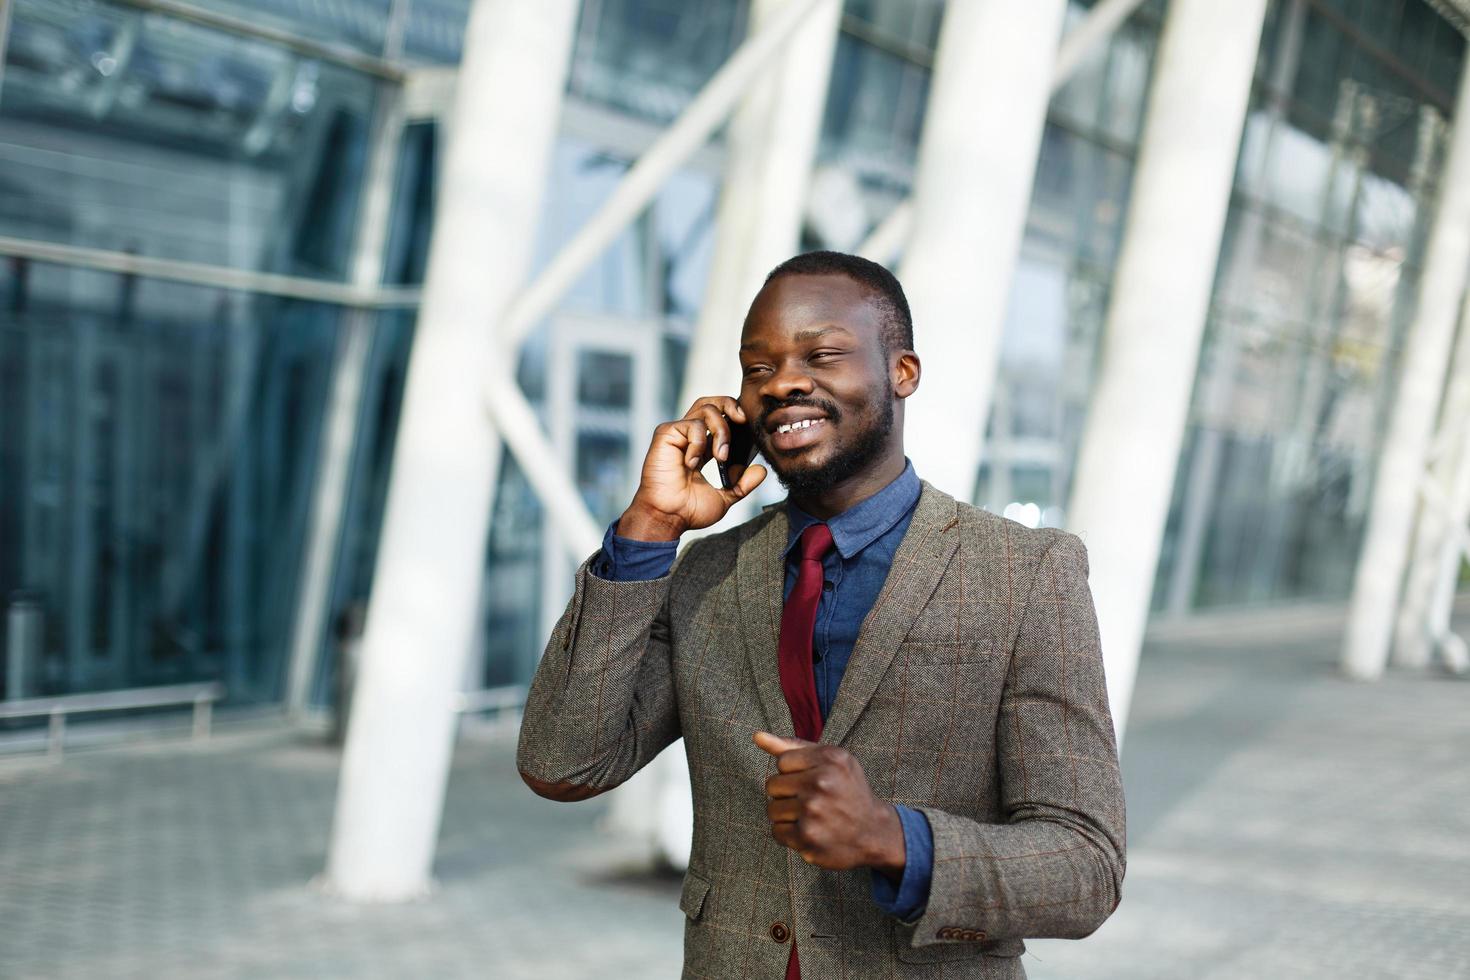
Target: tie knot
<point x="816" y="541"/>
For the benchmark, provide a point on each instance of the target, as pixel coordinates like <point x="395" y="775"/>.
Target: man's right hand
<point x="673" y="496"/>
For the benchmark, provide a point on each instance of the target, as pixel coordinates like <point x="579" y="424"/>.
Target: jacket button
<point x="779" y="932"/>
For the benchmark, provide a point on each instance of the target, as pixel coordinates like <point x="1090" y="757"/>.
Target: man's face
<point x="815" y="380"/>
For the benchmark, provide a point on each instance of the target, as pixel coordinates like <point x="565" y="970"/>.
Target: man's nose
<point x="786" y="381"/>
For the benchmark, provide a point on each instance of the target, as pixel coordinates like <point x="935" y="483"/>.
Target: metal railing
<point x="201" y="696"/>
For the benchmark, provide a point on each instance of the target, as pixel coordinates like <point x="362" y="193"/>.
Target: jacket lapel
<point x="760" y="573"/>
<point x="921" y="561"/>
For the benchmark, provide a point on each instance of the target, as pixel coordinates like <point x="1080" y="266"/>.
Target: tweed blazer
<point x="975" y="694"/>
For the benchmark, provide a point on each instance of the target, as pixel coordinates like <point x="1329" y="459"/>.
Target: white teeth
<point x="793" y="426"/>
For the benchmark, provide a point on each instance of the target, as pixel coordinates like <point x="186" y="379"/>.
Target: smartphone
<point x="742" y="451"/>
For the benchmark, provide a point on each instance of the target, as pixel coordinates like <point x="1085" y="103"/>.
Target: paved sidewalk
<point x="1284" y="823"/>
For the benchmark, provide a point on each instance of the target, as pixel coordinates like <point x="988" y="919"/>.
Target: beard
<point x="848" y="460"/>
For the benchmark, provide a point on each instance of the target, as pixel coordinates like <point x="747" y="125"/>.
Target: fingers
<point x="814" y="780"/>
<point x="777" y="744"/>
<point x="717" y="412"/>
<point x="749" y="479"/>
<point x="788" y="835"/>
<point x="785" y="809"/>
<point x="723" y="404"/>
<point x="696" y="441"/>
<point x="792" y="754"/>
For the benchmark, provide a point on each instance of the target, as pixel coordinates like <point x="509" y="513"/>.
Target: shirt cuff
<point x="627" y="560"/>
<point x="908" y="901"/>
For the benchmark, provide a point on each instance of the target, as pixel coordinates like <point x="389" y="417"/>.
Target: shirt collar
<point x="865" y="521"/>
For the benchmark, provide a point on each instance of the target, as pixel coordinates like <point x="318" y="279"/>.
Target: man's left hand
<point x="820" y="805"/>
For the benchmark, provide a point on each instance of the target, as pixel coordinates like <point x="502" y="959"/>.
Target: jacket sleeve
<point x="1055" y="867"/>
<point x="602" y="702"/>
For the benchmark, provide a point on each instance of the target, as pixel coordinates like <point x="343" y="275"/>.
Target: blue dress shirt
<point x="866" y="537"/>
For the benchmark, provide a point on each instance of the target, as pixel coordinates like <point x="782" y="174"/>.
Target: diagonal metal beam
<point x="1457" y="12"/>
<point x="512" y="415"/>
<point x="510" y="412"/>
<point x="885" y="243"/>
<point x="694" y="127"/>
<point x="211" y="276"/>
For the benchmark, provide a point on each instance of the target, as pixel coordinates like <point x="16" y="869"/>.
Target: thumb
<point x="776" y="745"/>
<point x="749" y="480"/>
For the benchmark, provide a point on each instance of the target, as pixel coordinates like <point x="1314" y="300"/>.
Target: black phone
<point x="742" y="451"/>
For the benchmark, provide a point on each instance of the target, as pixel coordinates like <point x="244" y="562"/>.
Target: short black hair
<point x="898" y="322"/>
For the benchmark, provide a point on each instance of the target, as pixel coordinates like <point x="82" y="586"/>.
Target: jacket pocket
<point x="691" y="898"/>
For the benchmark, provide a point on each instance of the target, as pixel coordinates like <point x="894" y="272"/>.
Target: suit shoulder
<point x="1023" y="541"/>
<point x="719" y="550"/>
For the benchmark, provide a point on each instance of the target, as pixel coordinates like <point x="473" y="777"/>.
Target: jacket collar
<point x="922" y="558"/>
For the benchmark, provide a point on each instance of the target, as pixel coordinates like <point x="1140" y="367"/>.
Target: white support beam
<point x="1423" y="613"/>
<point x="1386" y="543"/>
<point x="885" y="242"/>
<point x="977" y="159"/>
<point x="430" y="566"/>
<point x="516" y="422"/>
<point x="1455" y="551"/>
<point x="775" y="23"/>
<point x="772" y="145"/>
<point x="689" y="132"/>
<point x="209" y="276"/>
<point x="1099" y="24"/>
<point x="1161" y="293"/>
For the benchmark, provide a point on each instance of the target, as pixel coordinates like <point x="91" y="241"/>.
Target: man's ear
<point x="905" y="373"/>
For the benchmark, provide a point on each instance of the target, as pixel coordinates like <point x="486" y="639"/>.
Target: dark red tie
<point x="794" y="652"/>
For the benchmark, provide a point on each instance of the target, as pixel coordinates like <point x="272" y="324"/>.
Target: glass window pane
<point x="131" y="131"/>
<point x="650" y="57"/>
<point x="604" y="379"/>
<point x="159" y="455"/>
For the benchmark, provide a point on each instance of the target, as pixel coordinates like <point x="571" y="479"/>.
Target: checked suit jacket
<point x="975" y="693"/>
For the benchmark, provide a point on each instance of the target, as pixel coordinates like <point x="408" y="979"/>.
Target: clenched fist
<point x="673" y="496"/>
<point x="820" y="805"/>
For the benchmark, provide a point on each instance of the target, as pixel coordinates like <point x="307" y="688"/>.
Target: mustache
<point x="770" y="405"/>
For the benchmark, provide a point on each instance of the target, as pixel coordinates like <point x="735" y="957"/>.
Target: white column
<point x="1376" y="586"/>
<point x="772" y="143"/>
<point x="1436" y="551"/>
<point x="977" y="158"/>
<point x="1453" y="551"/>
<point x="1161" y="293"/>
<point x="432" y="552"/>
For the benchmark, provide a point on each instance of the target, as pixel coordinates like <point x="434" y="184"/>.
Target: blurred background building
<point x="215" y="225"/>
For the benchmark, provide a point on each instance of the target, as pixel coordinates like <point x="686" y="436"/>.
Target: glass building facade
<point x="182" y="228"/>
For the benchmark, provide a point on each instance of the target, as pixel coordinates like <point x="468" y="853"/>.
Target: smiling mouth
<point x="794" y="436"/>
<point x="798" y="426"/>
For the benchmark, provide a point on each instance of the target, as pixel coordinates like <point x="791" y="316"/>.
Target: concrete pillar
<point x="1161" y="293"/>
<point x="1381" y="563"/>
<point x="977" y="158"/>
<point x="1453" y="551"/>
<point x="431" y="557"/>
<point x="1424" y="614"/>
<point x="772" y="144"/>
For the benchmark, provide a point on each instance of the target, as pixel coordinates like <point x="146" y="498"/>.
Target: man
<point x="892" y="702"/>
